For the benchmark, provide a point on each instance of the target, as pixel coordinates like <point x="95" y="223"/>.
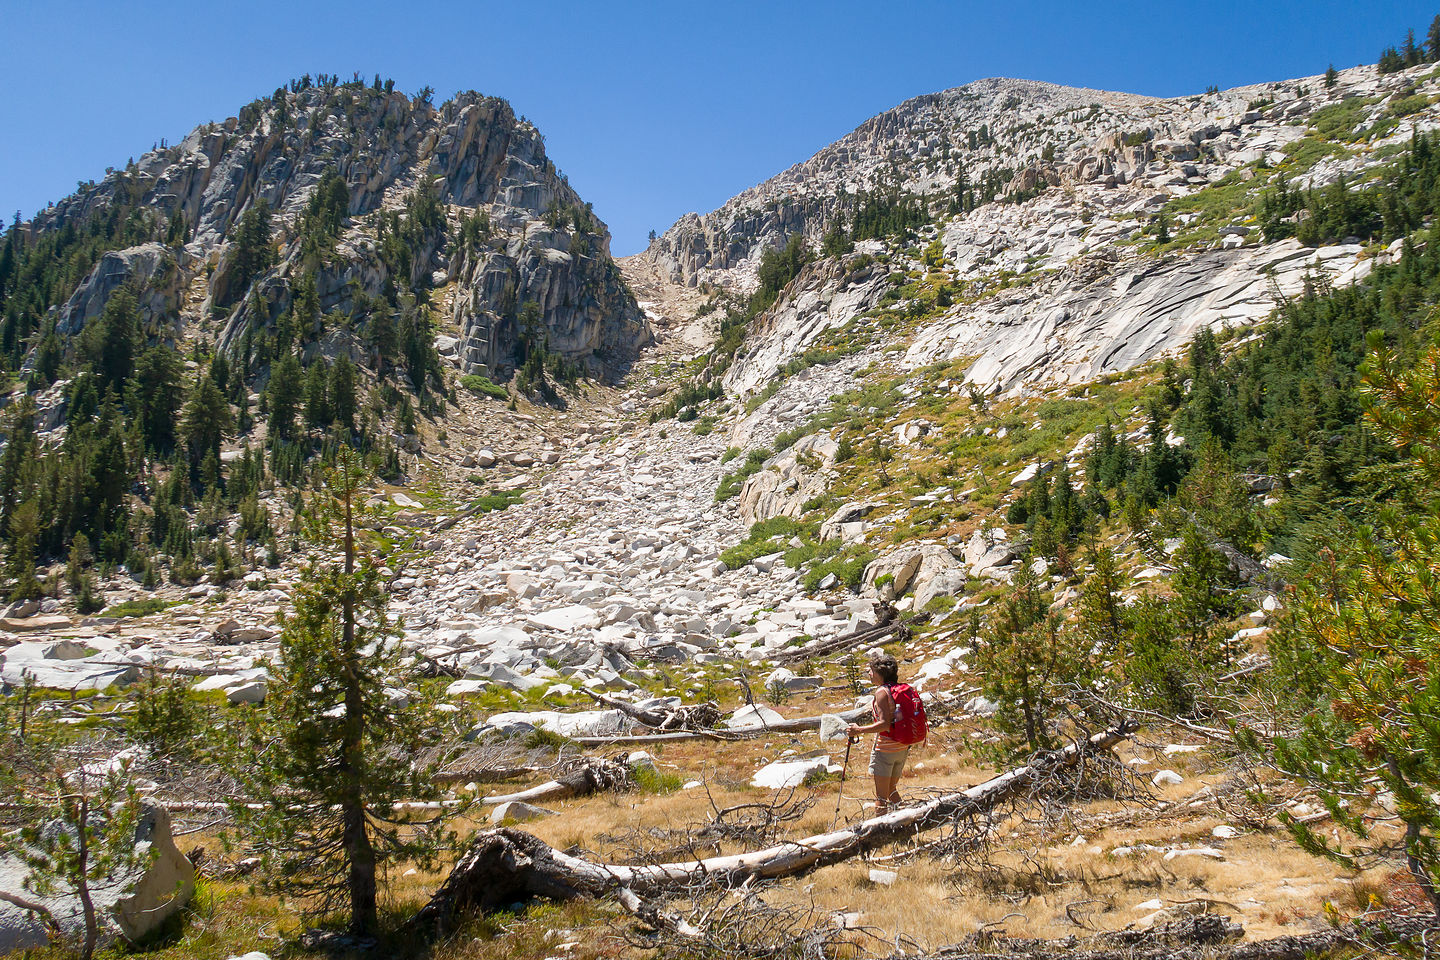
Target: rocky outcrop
<point x="156" y="272"/>
<point x="542" y="242"/>
<point x="827" y="294"/>
<point x="926" y="139"/>
<point x="132" y="904"/>
<point x="1079" y="327"/>
<point x="788" y="480"/>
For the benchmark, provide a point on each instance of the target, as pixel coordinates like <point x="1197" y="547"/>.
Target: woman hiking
<point x="899" y="723"/>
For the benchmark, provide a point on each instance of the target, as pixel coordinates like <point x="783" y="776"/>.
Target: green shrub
<point x="650" y="779"/>
<point x="542" y="738"/>
<point x="484" y="386"/>
<point x="848" y="565"/>
<point x="136" y="608"/>
<point x="730" y="484"/>
<point x="498" y="500"/>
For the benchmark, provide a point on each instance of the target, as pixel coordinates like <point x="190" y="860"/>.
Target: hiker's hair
<point x="887" y="667"/>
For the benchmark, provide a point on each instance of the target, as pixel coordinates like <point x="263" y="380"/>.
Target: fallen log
<point x="504" y="866"/>
<point x="851" y="640"/>
<point x="795" y="725"/>
<point x="489" y="774"/>
<point x="701" y="716"/>
<point x="593" y="776"/>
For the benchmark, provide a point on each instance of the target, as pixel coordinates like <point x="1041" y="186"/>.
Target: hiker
<point x="899" y="724"/>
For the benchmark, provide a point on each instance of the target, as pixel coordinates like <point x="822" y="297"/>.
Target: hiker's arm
<point x="886" y="704"/>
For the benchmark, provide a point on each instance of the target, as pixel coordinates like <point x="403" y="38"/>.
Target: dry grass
<point x="1052" y="880"/>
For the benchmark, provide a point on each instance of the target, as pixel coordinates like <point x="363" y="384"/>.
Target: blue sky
<point x="652" y="109"/>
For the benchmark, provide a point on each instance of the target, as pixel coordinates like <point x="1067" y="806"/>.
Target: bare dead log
<point x="595" y="775"/>
<point x="795" y="725"/>
<point x="1203" y="937"/>
<point x="876" y="634"/>
<point x="488" y="774"/>
<point x="701" y="716"/>
<point x="513" y="865"/>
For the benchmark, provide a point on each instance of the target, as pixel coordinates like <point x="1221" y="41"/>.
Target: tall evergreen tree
<point x="341" y="753"/>
<point x="154" y="396"/>
<point x="342" y="392"/>
<point x="1358" y="657"/>
<point x="286" y="389"/>
<point x="206" y="420"/>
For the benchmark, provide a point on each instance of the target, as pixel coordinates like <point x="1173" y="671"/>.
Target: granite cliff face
<point x="1043" y="204"/>
<point x="540" y="243"/>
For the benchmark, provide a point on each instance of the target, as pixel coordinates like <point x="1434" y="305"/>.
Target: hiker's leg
<point x="898" y="771"/>
<point x="884" y="787"/>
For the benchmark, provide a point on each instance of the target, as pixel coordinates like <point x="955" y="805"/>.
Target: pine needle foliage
<point x="1362" y="638"/>
<point x="335" y="752"/>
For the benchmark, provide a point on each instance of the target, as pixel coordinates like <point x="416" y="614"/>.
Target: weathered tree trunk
<point x="593" y="776"/>
<point x="701" y="716"/>
<point x="490" y="774"/>
<point x="794" y="725"/>
<point x="504" y="865"/>
<point x="852" y="640"/>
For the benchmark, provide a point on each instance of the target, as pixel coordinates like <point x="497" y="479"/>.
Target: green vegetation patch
<point x="484" y="386"/>
<point x="136" y="608"/>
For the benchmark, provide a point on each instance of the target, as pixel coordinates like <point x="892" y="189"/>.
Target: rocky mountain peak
<point x="471" y="155"/>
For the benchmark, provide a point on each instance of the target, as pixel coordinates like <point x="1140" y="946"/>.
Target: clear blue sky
<point x="652" y="109"/>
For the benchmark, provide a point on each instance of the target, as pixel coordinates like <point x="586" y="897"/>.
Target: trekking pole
<point x="840" y="794"/>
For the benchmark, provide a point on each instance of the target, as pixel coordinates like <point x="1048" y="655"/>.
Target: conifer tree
<point x="342" y="392"/>
<point x="285" y="391"/>
<point x="1030" y="666"/>
<point x="341" y="751"/>
<point x="1362" y="637"/>
<point x="206" y="419"/>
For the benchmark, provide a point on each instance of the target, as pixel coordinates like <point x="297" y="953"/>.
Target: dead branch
<point x="702" y="716"/>
<point x="594" y="775"/>
<point x="41" y="911"/>
<point x="859" y="638"/>
<point x="795" y="725"/>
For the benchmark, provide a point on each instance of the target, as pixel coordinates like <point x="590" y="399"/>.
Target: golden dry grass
<point x="1039" y="882"/>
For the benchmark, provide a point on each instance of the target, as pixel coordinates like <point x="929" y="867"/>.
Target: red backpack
<point x="909" y="725"/>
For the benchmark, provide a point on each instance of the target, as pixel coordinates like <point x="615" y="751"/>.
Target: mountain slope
<point x="1076" y="233"/>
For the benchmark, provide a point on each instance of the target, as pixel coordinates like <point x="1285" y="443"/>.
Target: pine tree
<point x="1432" y="41"/>
<point x="24" y="540"/>
<point x="343" y="752"/>
<point x="286" y="388"/>
<point x="1412" y="53"/>
<point x="206" y="420"/>
<point x="1362" y="639"/>
<point x="153" y="397"/>
<point x="111" y="343"/>
<point x="253" y="251"/>
<point x="1331" y="75"/>
<point x="1031" y="667"/>
<point x="77" y="835"/>
<point x="342" y="392"/>
<point x="317" y="401"/>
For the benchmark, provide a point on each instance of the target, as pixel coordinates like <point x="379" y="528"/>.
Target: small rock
<point x="884" y="878"/>
<point x="1209" y="852"/>
<point x="1166" y="777"/>
<point x="518" y="812"/>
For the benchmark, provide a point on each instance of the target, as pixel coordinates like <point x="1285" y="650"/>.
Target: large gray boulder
<point x="929" y="569"/>
<point x="131" y="905"/>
